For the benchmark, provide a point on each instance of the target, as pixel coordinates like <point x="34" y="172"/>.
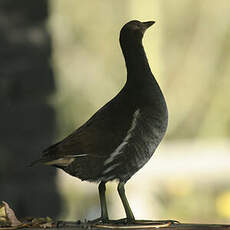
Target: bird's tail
<point x="47" y="156"/>
<point x="37" y="162"/>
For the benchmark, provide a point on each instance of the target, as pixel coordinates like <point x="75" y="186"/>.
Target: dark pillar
<point x="27" y="121"/>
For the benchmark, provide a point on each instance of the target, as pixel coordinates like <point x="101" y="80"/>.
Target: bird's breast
<point x="142" y="138"/>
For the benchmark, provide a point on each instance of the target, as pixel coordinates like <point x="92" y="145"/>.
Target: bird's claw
<point x="125" y="221"/>
<point x="99" y="220"/>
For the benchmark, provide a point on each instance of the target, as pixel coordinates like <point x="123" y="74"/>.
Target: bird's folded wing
<point x="98" y="137"/>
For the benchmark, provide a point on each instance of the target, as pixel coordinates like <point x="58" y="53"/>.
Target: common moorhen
<point x="122" y="135"/>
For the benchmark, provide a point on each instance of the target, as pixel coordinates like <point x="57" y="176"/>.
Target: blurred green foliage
<point x="188" y="49"/>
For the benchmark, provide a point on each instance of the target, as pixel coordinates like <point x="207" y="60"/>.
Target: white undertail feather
<point x="64" y="161"/>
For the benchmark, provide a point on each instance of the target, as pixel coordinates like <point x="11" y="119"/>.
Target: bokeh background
<point x="189" y="52"/>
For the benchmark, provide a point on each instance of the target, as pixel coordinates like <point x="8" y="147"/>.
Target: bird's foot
<point x="120" y="222"/>
<point x="125" y="221"/>
<point x="156" y="223"/>
<point x="99" y="220"/>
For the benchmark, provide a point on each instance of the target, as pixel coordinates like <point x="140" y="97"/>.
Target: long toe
<point x="141" y="223"/>
<point x="156" y="223"/>
<point x="99" y="220"/>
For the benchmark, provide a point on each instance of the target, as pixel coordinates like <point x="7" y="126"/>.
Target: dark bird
<point x="121" y="136"/>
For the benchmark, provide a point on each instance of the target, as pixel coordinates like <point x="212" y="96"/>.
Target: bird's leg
<point x="104" y="211"/>
<point x="130" y="219"/>
<point x="128" y="211"/>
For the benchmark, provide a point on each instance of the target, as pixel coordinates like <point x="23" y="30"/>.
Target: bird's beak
<point x="148" y="24"/>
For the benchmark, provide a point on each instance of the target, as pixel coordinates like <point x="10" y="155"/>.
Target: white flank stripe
<point x="110" y="168"/>
<point x="119" y="149"/>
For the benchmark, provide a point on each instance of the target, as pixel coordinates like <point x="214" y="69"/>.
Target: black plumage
<point x="121" y="136"/>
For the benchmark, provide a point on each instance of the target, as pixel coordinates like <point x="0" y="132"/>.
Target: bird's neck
<point x="136" y="61"/>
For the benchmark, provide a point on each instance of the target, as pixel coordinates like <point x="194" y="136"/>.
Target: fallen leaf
<point x="10" y="215"/>
<point x="2" y="213"/>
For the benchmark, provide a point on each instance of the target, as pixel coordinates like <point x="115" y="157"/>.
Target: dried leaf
<point x="4" y="222"/>
<point x="9" y="221"/>
<point x="10" y="215"/>
<point x="2" y="213"/>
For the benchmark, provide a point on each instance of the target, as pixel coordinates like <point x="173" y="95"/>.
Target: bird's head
<point x="134" y="30"/>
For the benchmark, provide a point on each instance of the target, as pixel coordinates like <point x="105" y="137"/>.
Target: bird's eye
<point x="136" y="28"/>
